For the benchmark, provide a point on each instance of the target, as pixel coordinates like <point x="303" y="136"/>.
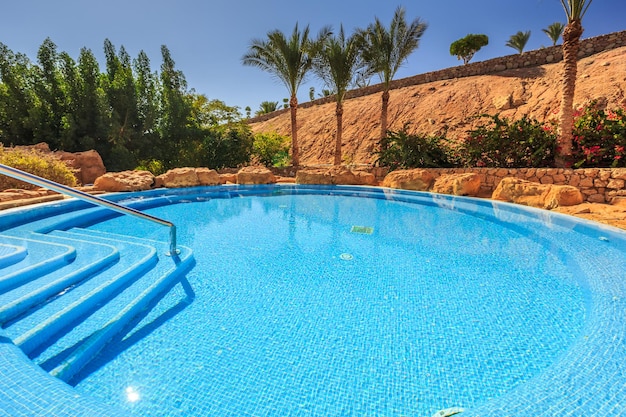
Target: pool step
<point x="41" y="258"/>
<point x="11" y="254"/>
<point x="91" y="258"/>
<point x="43" y="326"/>
<point x="115" y="278"/>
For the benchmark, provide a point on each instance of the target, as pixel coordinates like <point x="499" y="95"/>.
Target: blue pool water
<point x="296" y="314"/>
<point x="353" y="301"/>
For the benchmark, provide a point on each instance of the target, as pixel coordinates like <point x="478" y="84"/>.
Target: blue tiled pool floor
<point x="515" y="312"/>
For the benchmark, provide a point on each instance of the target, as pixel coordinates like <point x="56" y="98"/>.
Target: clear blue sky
<point x="207" y="38"/>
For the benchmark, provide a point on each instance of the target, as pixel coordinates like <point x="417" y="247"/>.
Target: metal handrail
<point x="63" y="189"/>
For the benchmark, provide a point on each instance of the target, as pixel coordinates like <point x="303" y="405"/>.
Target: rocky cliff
<point x="446" y="107"/>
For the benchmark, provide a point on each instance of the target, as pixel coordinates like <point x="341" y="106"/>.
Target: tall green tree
<point x="223" y="138"/>
<point x="554" y="31"/>
<point x="71" y="81"/>
<point x="119" y="85"/>
<point x="288" y="59"/>
<point x="386" y="49"/>
<point x="92" y="117"/>
<point x="16" y="98"/>
<point x="176" y="110"/>
<point x="466" y="47"/>
<point x="519" y="41"/>
<point x="148" y="114"/>
<point x="336" y="64"/>
<point x="49" y="109"/>
<point x="574" y="10"/>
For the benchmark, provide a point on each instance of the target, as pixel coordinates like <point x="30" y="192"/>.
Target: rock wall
<point x="598" y="185"/>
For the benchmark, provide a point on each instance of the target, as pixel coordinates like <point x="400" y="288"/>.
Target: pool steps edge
<point x="56" y="323"/>
<point x="49" y="331"/>
<point x="14" y="304"/>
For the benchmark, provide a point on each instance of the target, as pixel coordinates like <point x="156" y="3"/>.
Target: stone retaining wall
<point x="598" y="185"/>
<point x="528" y="59"/>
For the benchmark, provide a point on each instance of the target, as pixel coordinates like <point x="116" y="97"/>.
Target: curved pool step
<point x="11" y="254"/>
<point x="51" y="321"/>
<point x="172" y="271"/>
<point x="91" y="258"/>
<point x="43" y="258"/>
<point x="84" y="289"/>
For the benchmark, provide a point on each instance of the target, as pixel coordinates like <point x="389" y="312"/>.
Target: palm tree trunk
<point x="295" y="153"/>
<point x="338" y="134"/>
<point x="383" y="114"/>
<point x="571" y="45"/>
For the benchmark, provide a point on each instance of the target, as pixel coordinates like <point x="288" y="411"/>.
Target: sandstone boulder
<point x="411" y="179"/>
<point x="533" y="194"/>
<point x="285" y="180"/>
<point x="255" y="175"/>
<point x="562" y="196"/>
<point x="87" y="165"/>
<point x="365" y="178"/>
<point x="228" y="178"/>
<point x="208" y="176"/>
<point x="178" y="177"/>
<point x="335" y="175"/>
<point x="187" y="177"/>
<point x="458" y="184"/>
<point x="515" y="190"/>
<point x="125" y="181"/>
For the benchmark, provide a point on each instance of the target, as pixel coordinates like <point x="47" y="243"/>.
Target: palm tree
<point x="519" y="40"/>
<point x="337" y="63"/>
<point x="386" y="49"/>
<point x="266" y="107"/>
<point x="575" y="10"/>
<point x="554" y="31"/>
<point x="289" y="60"/>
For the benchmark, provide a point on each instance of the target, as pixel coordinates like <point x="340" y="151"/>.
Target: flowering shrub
<point x="400" y="150"/>
<point x="523" y="143"/>
<point x="599" y="141"/>
<point x="599" y="137"/>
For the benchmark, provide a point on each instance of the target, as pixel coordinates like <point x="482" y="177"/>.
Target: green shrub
<point x="153" y="165"/>
<point x="599" y="137"/>
<point x="271" y="148"/>
<point x="401" y="150"/>
<point x="523" y="143"/>
<point x="226" y="146"/>
<point x="34" y="162"/>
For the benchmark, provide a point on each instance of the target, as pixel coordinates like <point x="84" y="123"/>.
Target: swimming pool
<point x="367" y="301"/>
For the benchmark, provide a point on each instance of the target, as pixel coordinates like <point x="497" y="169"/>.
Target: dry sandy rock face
<point x="547" y="196"/>
<point x="409" y="179"/>
<point x="187" y="177"/>
<point x="255" y="175"/>
<point x="458" y="184"/>
<point x="336" y="175"/>
<point x="87" y="165"/>
<point x="446" y="106"/>
<point x="125" y="181"/>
